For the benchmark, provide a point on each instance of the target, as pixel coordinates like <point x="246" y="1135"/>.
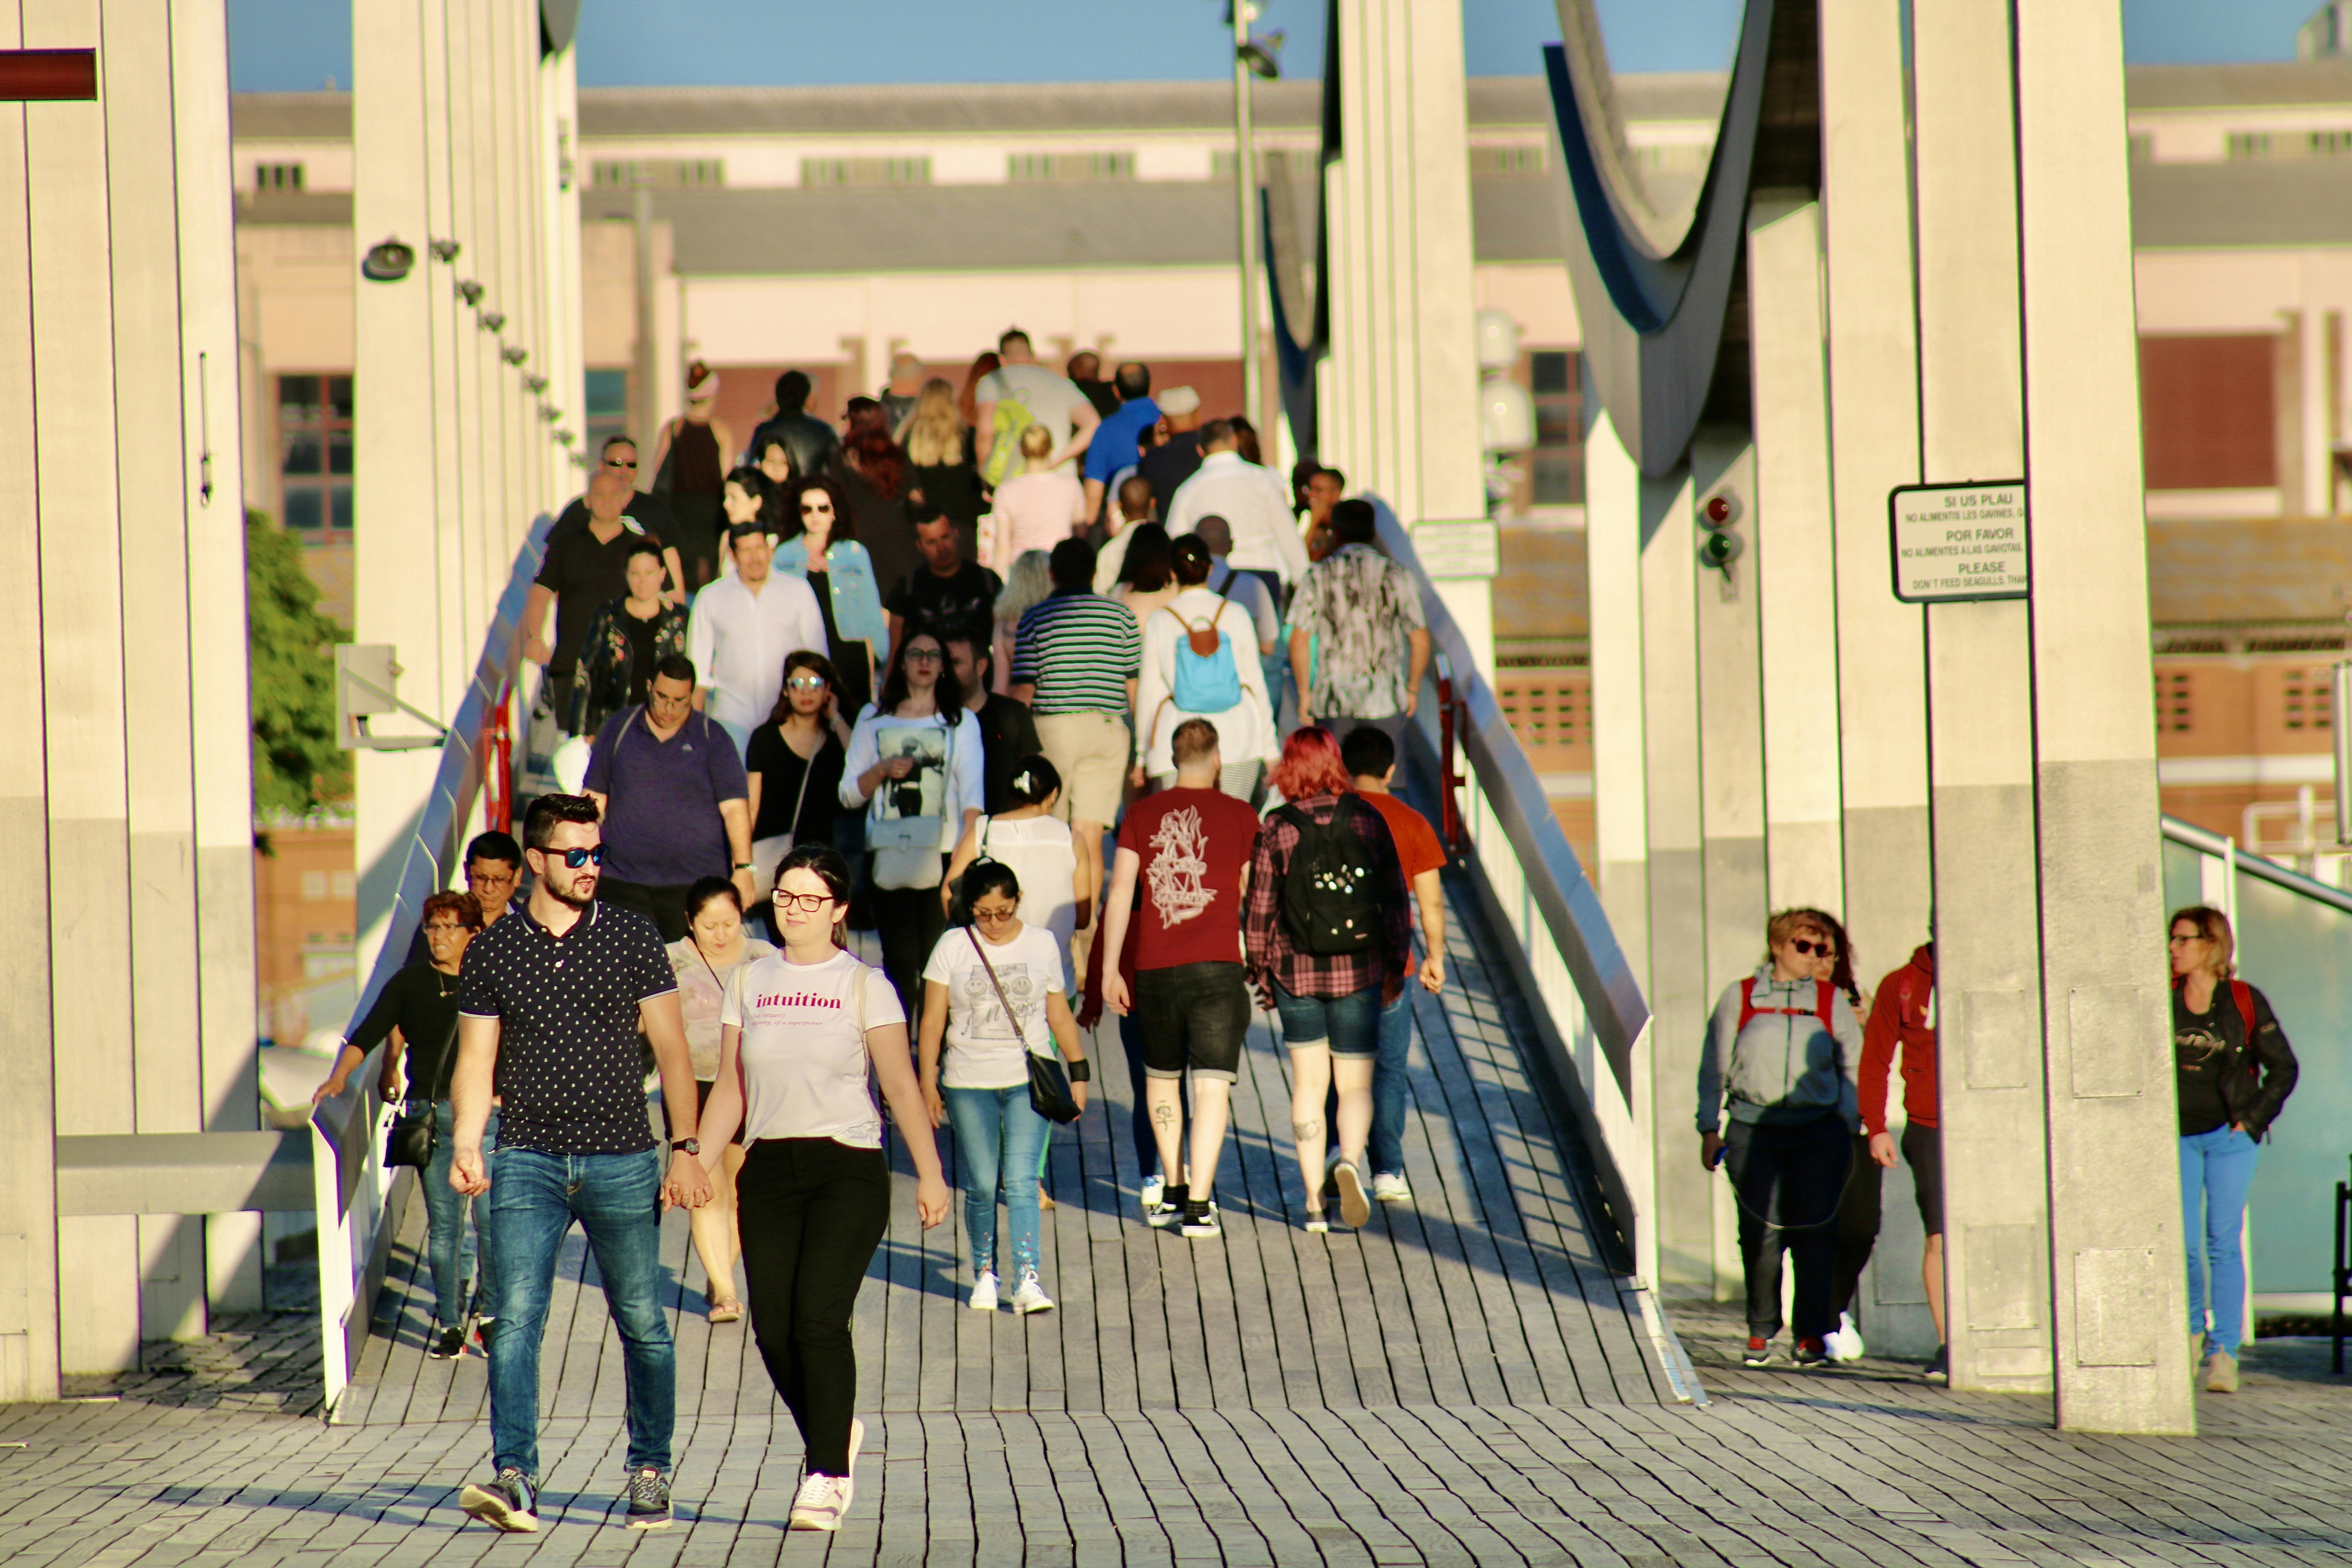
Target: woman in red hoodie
<point x="1903" y="1018"/>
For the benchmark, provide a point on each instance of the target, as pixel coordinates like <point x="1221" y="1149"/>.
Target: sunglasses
<point x="1826" y="949"/>
<point x="807" y="903"/>
<point x="806" y="683"/>
<point x="575" y="858"/>
<point x="994" y="917"/>
<point x="616" y="463"/>
<point x="816" y="510"/>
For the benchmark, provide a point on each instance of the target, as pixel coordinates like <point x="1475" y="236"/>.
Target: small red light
<point x="1719" y="510"/>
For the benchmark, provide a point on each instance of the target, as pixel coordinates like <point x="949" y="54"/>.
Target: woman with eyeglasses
<point x="2234" y="1072"/>
<point x="799" y="1032"/>
<point x="1781" y="1052"/>
<point x="715" y="946"/>
<point x="628" y="636"/>
<point x="416" y="1012"/>
<point x="992" y="991"/>
<point x="819" y="549"/>
<point x="793" y="763"/>
<point x="917" y="766"/>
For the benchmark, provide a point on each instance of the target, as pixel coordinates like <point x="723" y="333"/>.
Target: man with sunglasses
<point x="1781" y="1054"/>
<point x="744" y="626"/>
<point x="551" y="1005"/>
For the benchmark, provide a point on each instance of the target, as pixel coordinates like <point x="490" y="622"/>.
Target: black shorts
<point x="1193" y="1014"/>
<point x="702" y="1087"/>
<point x="1923" y="1151"/>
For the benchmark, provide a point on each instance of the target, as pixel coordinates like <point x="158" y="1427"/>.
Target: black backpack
<point x="1328" y="901"/>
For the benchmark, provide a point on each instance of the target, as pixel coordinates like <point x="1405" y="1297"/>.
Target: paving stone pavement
<point x="1468" y="1380"/>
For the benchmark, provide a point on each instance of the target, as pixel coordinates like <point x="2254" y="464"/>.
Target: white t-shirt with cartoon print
<point x="984" y="1049"/>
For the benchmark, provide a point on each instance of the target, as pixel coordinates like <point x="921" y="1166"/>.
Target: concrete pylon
<point x="1402" y="419"/>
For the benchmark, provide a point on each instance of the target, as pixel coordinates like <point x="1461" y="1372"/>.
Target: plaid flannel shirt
<point x="1266" y="940"/>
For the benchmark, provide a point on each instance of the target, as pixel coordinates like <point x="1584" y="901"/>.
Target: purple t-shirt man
<point x="662" y="827"/>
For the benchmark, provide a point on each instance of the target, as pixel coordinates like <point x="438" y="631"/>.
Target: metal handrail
<point x="352" y="1183"/>
<point x="2193" y="836"/>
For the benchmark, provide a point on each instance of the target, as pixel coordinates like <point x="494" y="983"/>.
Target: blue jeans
<point x="616" y="1198"/>
<point x="997" y="1134"/>
<point x="2216" y="1169"/>
<point x="1349" y="1025"/>
<point x="1385" y="1148"/>
<point x="445" y="1225"/>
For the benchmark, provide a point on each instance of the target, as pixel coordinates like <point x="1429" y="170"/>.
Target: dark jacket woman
<point x="616" y="660"/>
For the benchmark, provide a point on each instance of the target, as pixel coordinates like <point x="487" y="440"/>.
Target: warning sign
<point x="1959" y="541"/>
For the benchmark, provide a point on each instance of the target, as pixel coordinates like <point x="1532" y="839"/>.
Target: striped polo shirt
<point x="1079" y="651"/>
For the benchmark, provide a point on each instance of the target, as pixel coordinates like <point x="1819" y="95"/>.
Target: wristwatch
<point x="688" y="1146"/>
<point x="740" y="865"/>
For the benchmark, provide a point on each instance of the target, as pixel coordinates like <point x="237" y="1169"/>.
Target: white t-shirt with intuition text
<point x="984" y="1049"/>
<point x="805" y="1061"/>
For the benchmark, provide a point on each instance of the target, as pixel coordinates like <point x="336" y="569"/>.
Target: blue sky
<point x="286" y="45"/>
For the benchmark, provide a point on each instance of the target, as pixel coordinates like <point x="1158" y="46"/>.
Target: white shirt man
<point x="1252" y="500"/>
<point x="742" y="627"/>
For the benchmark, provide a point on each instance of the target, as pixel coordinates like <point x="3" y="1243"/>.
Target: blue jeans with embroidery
<point x="2216" y="1170"/>
<point x="998" y="1135"/>
<point x="616" y="1198"/>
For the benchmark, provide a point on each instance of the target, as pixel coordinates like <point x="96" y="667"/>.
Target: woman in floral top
<point x="628" y="637"/>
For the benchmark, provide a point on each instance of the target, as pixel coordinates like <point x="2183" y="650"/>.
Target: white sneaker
<point x="819" y="1502"/>
<point x="1031" y="1297"/>
<point x="983" y="1295"/>
<point x="1844" y="1341"/>
<point x="1391" y="1189"/>
<point x="1355" y="1209"/>
<point x="849" y="1481"/>
<point x="1154" y="1189"/>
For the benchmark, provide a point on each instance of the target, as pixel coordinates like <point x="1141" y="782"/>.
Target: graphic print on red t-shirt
<point x="1193" y="844"/>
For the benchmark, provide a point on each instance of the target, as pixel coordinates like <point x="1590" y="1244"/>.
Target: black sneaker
<point x="1201" y="1218"/>
<point x="507" y="1502"/>
<point x="449" y="1343"/>
<point x="648" y="1500"/>
<point x="1171" y="1207"/>
<point x="1811" y="1353"/>
<point x="1758" y="1353"/>
<point x="1940" y="1369"/>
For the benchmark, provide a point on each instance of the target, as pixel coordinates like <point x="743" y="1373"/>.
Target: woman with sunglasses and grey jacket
<point x="1780" y="1060"/>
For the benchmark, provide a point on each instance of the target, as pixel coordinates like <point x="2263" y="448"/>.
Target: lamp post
<point x="1251" y="56"/>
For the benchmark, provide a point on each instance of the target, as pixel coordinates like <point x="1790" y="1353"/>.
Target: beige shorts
<point x="1089" y="750"/>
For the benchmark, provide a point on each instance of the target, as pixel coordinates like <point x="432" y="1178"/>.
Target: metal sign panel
<point x="1959" y="541"/>
<point x="1459" y="548"/>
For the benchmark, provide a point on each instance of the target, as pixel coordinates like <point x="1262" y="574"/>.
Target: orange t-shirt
<point x="1416" y="842"/>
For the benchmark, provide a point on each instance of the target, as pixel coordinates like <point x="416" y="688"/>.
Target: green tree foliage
<point x="297" y="766"/>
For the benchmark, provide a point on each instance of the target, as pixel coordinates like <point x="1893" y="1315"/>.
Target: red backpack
<point x="2244" y="996"/>
<point x="1823" y="991"/>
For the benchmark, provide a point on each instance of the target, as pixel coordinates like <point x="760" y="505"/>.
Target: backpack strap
<point x="2244" y="996"/>
<point x="1747" y="1004"/>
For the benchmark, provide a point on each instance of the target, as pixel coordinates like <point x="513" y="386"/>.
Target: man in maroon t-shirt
<point x="1189" y="847"/>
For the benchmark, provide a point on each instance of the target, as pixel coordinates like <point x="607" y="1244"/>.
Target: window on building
<point x="661" y="174"/>
<point x="2308" y="699"/>
<point x="1303" y="161"/>
<point x="314" y="454"/>
<point x="2207" y="412"/>
<point x="1506" y="163"/>
<point x="2328" y="143"/>
<point x="2248" y="143"/>
<point x="608" y="412"/>
<point x="2140" y="147"/>
<point x="2172" y="708"/>
<point x="820" y="172"/>
<point x="1067" y="168"/>
<point x="277" y="176"/>
<point x="1556" y="464"/>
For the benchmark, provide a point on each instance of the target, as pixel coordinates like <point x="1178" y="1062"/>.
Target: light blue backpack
<point x="1206" y="680"/>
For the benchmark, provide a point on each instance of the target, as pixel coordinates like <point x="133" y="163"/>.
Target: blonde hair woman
<point x="1039" y="506"/>
<point x="938" y="460"/>
<point x="1027" y="581"/>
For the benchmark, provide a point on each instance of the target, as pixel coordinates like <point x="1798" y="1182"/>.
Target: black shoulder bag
<point x="1049" y="1081"/>
<point x="414" y="1138"/>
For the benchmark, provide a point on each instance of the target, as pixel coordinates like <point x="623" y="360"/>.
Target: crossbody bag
<point x="1049" y="1080"/>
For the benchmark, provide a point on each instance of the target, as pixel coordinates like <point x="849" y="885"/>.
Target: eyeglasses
<point x="810" y="508"/>
<point x="445" y="925"/>
<point x="924" y="656"/>
<point x="1826" y="949"/>
<point x="994" y="917"/>
<point x="806" y="683"/>
<point x="575" y="858"/>
<point x="807" y="903"/>
<point x="663" y="699"/>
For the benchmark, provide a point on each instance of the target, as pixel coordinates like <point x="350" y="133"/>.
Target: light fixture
<point x="514" y="355"/>
<point x="534" y="384"/>
<point x="469" y="291"/>
<point x="1507" y="414"/>
<point x="564" y="438"/>
<point x="1259" y="54"/>
<point x="494" y="320"/>
<point x="443" y="249"/>
<point x="1717" y="546"/>
<point x="549" y="414"/>
<point x="388" y="261"/>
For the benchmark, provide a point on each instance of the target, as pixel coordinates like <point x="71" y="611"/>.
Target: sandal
<point x="726" y="1312"/>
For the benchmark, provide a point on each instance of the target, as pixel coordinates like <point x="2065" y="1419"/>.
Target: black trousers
<point x="664" y="904"/>
<point x="1788" y="1181"/>
<point x="910" y="922"/>
<point x="811" y="1211"/>
<point x="1857" y="1227"/>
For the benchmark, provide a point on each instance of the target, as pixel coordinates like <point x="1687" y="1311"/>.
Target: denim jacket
<point x="849" y="578"/>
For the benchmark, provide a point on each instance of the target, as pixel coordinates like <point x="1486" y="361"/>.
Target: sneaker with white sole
<point x="1155" y="1188"/>
<point x="648" y="1500"/>
<point x="449" y="1343"/>
<point x="818" y="1504"/>
<point x="1031" y="1297"/>
<point x="1316" y="1224"/>
<point x="1200" y="1219"/>
<point x="983" y="1292"/>
<point x="1388" y="1187"/>
<point x="1844" y="1341"/>
<point x="509" y="1502"/>
<point x="1355" y="1208"/>
<point x="1170" y="1208"/>
<point x="849" y="1482"/>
